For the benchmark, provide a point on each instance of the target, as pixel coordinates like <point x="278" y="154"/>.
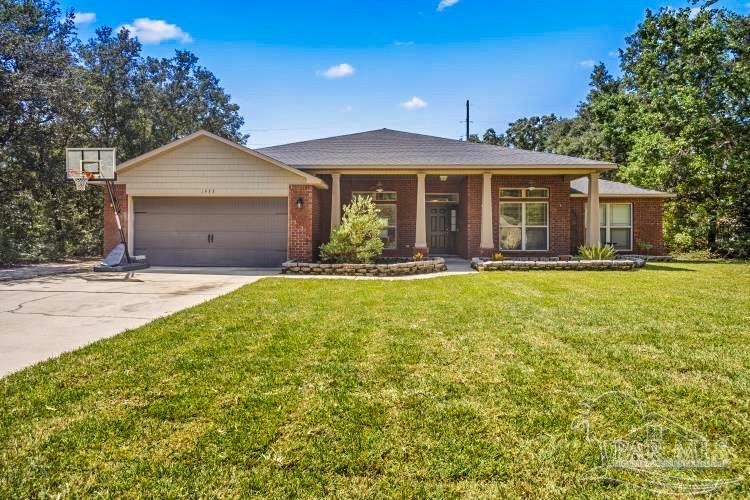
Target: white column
<point x="486" y="241"/>
<point x="593" y="234"/>
<point x="421" y="229"/>
<point x="335" y="201"/>
<point x="131" y="225"/>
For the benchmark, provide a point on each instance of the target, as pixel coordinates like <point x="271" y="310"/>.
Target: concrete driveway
<point x="43" y="317"/>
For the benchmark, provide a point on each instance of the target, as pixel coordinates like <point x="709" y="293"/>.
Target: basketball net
<point x="80" y="178"/>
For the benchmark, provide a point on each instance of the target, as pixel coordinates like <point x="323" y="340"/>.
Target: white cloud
<point x="346" y="109"/>
<point x="694" y="12"/>
<point x="84" y="17"/>
<point x="398" y="43"/>
<point x="342" y="70"/>
<point x="153" y="31"/>
<point x="413" y="103"/>
<point x="613" y="53"/>
<point x="587" y="63"/>
<point x="444" y="4"/>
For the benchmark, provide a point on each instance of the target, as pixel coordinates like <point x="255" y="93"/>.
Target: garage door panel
<point x="248" y="232"/>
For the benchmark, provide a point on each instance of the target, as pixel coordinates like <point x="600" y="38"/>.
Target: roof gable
<point x="142" y="159"/>
<point x="387" y="147"/>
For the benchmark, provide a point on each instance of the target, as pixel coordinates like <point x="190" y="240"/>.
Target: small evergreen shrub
<point x="357" y="240"/>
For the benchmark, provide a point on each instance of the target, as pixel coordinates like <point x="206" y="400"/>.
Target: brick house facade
<point x="442" y="197"/>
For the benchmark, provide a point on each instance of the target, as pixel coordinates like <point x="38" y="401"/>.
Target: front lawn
<point x="463" y="385"/>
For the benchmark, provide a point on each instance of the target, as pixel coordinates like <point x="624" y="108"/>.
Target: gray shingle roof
<point x="387" y="147"/>
<point x="611" y="188"/>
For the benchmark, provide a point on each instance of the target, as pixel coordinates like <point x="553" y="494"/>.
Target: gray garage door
<point x="235" y="232"/>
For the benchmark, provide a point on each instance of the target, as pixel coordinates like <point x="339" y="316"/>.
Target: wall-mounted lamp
<point x="379" y="187"/>
<point x="300" y="202"/>
<point x="443" y="178"/>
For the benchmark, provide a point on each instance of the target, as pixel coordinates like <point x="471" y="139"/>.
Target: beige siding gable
<point x="206" y="167"/>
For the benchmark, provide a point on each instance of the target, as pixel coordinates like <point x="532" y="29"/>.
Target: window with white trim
<point x="532" y="193"/>
<point x="388" y="211"/>
<point x="524" y="225"/>
<point x="615" y="225"/>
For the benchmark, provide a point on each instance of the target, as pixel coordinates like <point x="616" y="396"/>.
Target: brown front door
<point x="441" y="229"/>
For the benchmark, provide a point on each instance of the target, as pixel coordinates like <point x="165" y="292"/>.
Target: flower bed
<point x="552" y="265"/>
<point x="432" y="265"/>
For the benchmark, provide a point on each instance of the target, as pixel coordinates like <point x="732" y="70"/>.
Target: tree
<point x="57" y="92"/>
<point x="357" y="239"/>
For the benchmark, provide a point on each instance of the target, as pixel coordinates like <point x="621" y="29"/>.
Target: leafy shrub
<point x="596" y="252"/>
<point x="357" y="239"/>
<point x="682" y="242"/>
<point x="498" y="256"/>
<point x="418" y="256"/>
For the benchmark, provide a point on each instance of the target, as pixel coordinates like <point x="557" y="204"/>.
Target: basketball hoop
<point x="80" y="178"/>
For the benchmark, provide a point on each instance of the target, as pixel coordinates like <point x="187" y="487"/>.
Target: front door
<point x="441" y="229"/>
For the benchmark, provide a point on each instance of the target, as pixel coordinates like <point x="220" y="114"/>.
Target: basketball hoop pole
<point x="116" y="208"/>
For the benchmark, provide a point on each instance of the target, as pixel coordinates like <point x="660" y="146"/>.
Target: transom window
<point x="388" y="211"/>
<point x="533" y="193"/>
<point x="441" y="197"/>
<point x="615" y="225"/>
<point x="377" y="196"/>
<point x="524" y="225"/>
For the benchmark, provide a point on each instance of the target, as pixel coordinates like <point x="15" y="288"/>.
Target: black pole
<point x="467" y="120"/>
<point x="116" y="209"/>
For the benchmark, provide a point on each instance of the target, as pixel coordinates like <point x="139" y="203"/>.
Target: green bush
<point x="357" y="239"/>
<point x="596" y="252"/>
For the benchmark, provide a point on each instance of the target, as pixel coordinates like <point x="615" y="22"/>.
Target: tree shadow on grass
<point x="656" y="267"/>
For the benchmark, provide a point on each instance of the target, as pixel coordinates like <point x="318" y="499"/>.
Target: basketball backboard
<point x="98" y="164"/>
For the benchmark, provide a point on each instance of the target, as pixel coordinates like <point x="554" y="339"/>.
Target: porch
<point x="463" y="213"/>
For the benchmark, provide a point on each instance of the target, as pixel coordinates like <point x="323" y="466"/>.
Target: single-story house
<point x="205" y="201"/>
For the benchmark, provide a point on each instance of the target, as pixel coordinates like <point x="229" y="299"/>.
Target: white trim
<point x="522" y="226"/>
<point x="131" y="225"/>
<point x="161" y="194"/>
<point x="138" y="160"/>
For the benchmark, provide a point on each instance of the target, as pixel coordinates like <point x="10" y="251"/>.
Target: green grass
<point x="463" y="385"/>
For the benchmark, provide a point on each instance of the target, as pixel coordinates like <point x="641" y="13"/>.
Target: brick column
<point x="300" y="235"/>
<point x="111" y="233"/>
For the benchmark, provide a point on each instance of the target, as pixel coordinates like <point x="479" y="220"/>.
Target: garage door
<point x="235" y="232"/>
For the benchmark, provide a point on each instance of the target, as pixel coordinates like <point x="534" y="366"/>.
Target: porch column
<point x="335" y="201"/>
<point x="486" y="243"/>
<point x="593" y="234"/>
<point x="420" y="243"/>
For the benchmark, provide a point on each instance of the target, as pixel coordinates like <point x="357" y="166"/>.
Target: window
<point x="523" y="225"/>
<point x="536" y="193"/>
<point x="382" y="196"/>
<point x="441" y="197"/>
<point x="615" y="225"/>
<point x="388" y="235"/>
<point x="387" y="211"/>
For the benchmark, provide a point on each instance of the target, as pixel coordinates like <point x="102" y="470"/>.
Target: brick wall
<point x="647" y="223"/>
<point x="471" y="199"/>
<point x="559" y="209"/>
<point x="300" y="220"/>
<point x="111" y="233"/>
<point x="406" y="205"/>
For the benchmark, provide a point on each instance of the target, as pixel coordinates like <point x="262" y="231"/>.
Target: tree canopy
<point x="676" y="119"/>
<point x="57" y="91"/>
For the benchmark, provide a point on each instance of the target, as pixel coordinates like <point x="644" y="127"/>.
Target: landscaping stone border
<point x="552" y="265"/>
<point x="647" y="258"/>
<point x="432" y="265"/>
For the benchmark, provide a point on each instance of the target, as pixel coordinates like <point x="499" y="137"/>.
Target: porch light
<point x="300" y="202"/>
<point x="443" y="178"/>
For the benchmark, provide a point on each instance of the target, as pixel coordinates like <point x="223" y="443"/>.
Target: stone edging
<point x="528" y="265"/>
<point x="432" y="265"/>
<point x="42" y="270"/>
<point x="647" y="258"/>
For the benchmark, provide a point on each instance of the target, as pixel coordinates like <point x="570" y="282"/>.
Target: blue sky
<point x="302" y="70"/>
